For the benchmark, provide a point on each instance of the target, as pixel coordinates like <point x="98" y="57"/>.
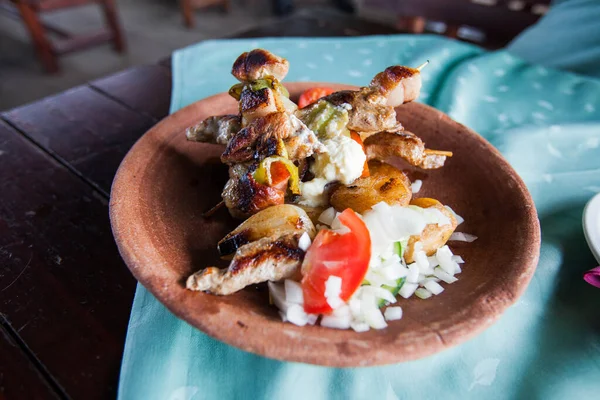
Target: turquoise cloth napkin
<point x="567" y="37"/>
<point x="547" y="346"/>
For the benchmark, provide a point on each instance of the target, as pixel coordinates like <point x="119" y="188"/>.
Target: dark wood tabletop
<point x="65" y="293"/>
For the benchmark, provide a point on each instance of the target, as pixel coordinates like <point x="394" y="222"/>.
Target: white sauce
<point x="343" y="161"/>
<point x="312" y="192"/>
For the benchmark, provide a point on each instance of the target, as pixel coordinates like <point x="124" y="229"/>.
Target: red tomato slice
<point x="356" y="137"/>
<point x="343" y="255"/>
<point x="313" y="94"/>
<point x="279" y="175"/>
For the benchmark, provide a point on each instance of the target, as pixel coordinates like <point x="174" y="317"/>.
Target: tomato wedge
<point x="279" y="175"/>
<point x="313" y="94"/>
<point x="344" y="255"/>
<point x="356" y="137"/>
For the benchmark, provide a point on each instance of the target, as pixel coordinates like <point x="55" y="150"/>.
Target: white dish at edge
<point x="591" y="225"/>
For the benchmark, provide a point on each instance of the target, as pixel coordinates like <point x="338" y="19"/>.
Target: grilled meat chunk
<point x="257" y="104"/>
<point x="368" y="112"/>
<point x="406" y="145"/>
<point x="244" y="196"/>
<point x="259" y="64"/>
<point x="261" y="138"/>
<point x="266" y="258"/>
<point x="372" y="107"/>
<point x="397" y="84"/>
<point x="217" y="129"/>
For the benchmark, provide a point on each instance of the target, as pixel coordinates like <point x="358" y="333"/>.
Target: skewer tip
<point x="420" y="67"/>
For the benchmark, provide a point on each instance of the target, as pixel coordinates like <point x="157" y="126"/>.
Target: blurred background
<point x="48" y="46"/>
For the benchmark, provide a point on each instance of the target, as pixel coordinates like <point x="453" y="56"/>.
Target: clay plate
<point x="165" y="183"/>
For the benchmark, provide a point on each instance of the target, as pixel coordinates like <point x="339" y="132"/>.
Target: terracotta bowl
<point x="165" y="183"/>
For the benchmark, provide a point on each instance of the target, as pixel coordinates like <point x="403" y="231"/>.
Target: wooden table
<point x="65" y="293"/>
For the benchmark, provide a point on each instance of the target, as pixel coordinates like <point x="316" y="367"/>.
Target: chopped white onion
<point x="444" y="276"/>
<point x="444" y="256"/>
<point x="393" y="313"/>
<point x="413" y="273"/>
<point x="293" y="292"/>
<point x="359" y="326"/>
<point x="374" y="318"/>
<point x="433" y="261"/>
<point x="312" y="318"/>
<point x="334" y="302"/>
<point x="425" y="269"/>
<point x="376" y="279"/>
<point x="422" y="293"/>
<point x="342" y="311"/>
<point x="459" y="219"/>
<point x="331" y="321"/>
<point x="370" y="311"/>
<point x="462" y="237"/>
<point x="277" y="292"/>
<point x="296" y="315"/>
<point x="304" y="242"/>
<point x="327" y="216"/>
<point x="433" y="287"/>
<point x="333" y="289"/>
<point x="354" y="305"/>
<point x="416" y="186"/>
<point x="458" y="259"/>
<point x="338" y="227"/>
<point x="380" y="293"/>
<point x="421" y="260"/>
<point x="408" y="289"/>
<point x="393" y="272"/>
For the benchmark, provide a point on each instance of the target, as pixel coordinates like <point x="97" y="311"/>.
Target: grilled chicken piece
<point x="385" y="183"/>
<point x="433" y="236"/>
<point x="367" y="112"/>
<point x="217" y="129"/>
<point x="260" y="139"/>
<point x="259" y="103"/>
<point x="397" y="84"/>
<point x="259" y="64"/>
<point x="243" y="196"/>
<point x="384" y="145"/>
<point x="373" y="106"/>
<point x="270" y="258"/>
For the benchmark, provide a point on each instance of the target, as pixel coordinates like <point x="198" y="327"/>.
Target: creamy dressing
<point x="343" y="161"/>
<point x="313" y="192"/>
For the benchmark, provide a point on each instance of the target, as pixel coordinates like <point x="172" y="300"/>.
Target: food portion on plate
<point x="332" y="227"/>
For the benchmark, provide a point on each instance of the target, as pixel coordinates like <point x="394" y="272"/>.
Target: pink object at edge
<point x="593" y="277"/>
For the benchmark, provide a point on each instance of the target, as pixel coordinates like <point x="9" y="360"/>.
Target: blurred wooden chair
<point x="491" y="23"/>
<point x="48" y="50"/>
<point x="189" y="6"/>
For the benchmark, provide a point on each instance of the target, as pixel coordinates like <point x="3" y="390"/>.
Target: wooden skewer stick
<point x="420" y="67"/>
<point x="213" y="210"/>
<point x="438" y="152"/>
